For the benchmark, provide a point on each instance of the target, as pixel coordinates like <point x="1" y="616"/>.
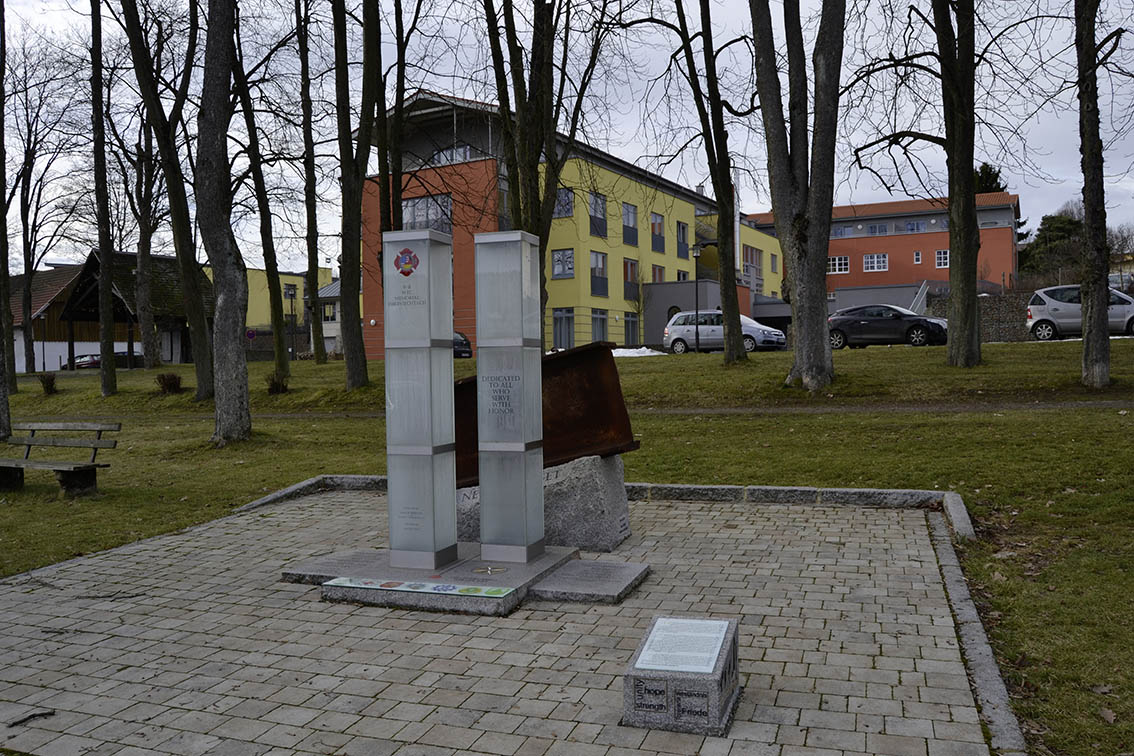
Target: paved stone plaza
<point x="189" y="644"/>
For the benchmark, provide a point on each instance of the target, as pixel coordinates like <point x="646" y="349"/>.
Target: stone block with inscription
<point x="584" y="505"/>
<point x="684" y="677"/>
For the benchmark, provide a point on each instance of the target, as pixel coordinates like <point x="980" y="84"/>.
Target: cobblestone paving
<point x="188" y="644"/>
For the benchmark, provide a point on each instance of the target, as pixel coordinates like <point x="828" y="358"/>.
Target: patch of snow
<point x="639" y="352"/>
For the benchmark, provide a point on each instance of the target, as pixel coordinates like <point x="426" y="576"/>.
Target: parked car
<point x="95" y="360"/>
<point x="681" y="333"/>
<point x="1057" y="311"/>
<point x="861" y="326"/>
<point x="461" y="345"/>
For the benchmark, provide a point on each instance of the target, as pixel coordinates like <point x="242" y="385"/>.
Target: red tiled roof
<point x="46" y="286"/>
<point x="899" y="207"/>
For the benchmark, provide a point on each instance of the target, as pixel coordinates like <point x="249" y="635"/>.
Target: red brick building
<point x="907" y="241"/>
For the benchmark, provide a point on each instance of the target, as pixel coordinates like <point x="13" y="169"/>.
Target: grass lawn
<point x="1050" y="486"/>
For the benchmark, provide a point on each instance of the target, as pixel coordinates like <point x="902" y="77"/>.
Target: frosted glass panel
<point x="408" y="407"/>
<point x="509" y="398"/>
<point x="418" y="305"/>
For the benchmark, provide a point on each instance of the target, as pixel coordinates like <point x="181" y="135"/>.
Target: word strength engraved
<point x="683" y="677"/>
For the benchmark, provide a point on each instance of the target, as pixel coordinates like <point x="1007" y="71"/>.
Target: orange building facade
<point x="472" y="191"/>
<point x="907" y="241"/>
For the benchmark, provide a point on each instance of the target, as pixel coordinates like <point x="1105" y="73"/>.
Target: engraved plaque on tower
<point x="417" y="282"/>
<point x="509" y="398"/>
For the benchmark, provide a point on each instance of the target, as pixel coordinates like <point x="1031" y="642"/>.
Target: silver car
<point x="1057" y="311"/>
<point x="681" y="333"/>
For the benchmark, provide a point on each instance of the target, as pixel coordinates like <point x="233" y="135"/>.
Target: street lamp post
<point x="696" y="300"/>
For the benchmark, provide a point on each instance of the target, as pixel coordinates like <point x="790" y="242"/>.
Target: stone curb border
<point x="948" y="501"/>
<point x="317" y="484"/>
<point x="1005" y="736"/>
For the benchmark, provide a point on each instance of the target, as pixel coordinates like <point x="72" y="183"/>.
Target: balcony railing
<point x="683" y="250"/>
<point x="598" y="226"/>
<point x="630" y="290"/>
<point x="630" y="235"/>
<point x="599" y="285"/>
<point x="657" y="242"/>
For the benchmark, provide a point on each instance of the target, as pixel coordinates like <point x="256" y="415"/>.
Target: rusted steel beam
<point x="584" y="413"/>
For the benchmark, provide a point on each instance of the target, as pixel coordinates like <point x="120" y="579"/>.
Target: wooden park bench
<point x="75" y="478"/>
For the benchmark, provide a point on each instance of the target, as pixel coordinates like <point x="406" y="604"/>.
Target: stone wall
<point x="1003" y="317"/>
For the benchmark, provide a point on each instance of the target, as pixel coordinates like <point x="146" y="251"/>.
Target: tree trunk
<point x="108" y="376"/>
<point x="726" y="269"/>
<point x="1096" y="262"/>
<point x="956" y="51"/>
<point x="214" y="218"/>
<point x="310" y="202"/>
<point x="267" y="238"/>
<point x="353" y="161"/>
<point x="802" y="192"/>
<point x="144" y="190"/>
<point x="164" y="130"/>
<point x="7" y="352"/>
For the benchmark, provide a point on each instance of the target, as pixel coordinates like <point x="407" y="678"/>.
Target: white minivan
<point x="1057" y="311"/>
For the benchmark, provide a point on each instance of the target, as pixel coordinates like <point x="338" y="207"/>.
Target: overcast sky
<point x="1052" y="138"/>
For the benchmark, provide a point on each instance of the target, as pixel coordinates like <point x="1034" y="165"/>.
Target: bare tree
<point x="164" y="126"/>
<point x="1090" y="54"/>
<point x="542" y="85"/>
<point x="42" y="102"/>
<point x="802" y="175"/>
<point x="353" y="158"/>
<point x="310" y="187"/>
<point x="7" y="357"/>
<point x="142" y="188"/>
<point x="108" y="379"/>
<point x="264" y="209"/>
<point x="213" y="184"/>
<point x="704" y="84"/>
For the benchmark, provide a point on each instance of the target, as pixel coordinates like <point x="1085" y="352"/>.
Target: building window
<point x="916" y="227"/>
<point x="458" y="153"/>
<point x="945" y="224"/>
<point x="875" y="263"/>
<point x="840" y="231"/>
<point x="657" y="232"/>
<point x="598" y="274"/>
<point x="631" y="320"/>
<point x="839" y="264"/>
<point x="658" y="274"/>
<point x="775" y="294"/>
<point x="562" y="263"/>
<point x="878" y="229"/>
<point x="830" y="296"/>
<point x="775" y="262"/>
<point x="942" y="258"/>
<point x="289" y="291"/>
<point x="682" y="275"/>
<point x="753" y="256"/>
<point x="683" y="240"/>
<point x="630" y="279"/>
<point x="598" y="325"/>
<point x="917" y="257"/>
<point x="564" y="203"/>
<point x="563" y="327"/>
<point x="434" y="211"/>
<point x="329" y="313"/>
<point x="629" y="224"/>
<point x="598" y="214"/>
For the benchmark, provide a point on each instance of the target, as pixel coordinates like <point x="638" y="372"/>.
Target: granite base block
<point x="584" y="505"/>
<point x="589" y="581"/>
<point x="676" y="698"/>
<point x="469" y="585"/>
